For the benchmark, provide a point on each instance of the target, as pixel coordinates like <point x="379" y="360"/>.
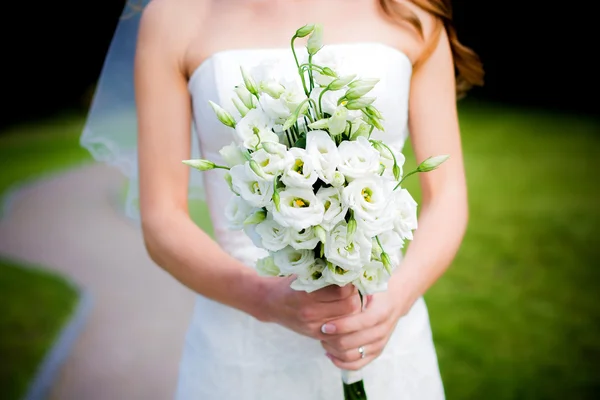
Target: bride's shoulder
<point x="173" y="19"/>
<point x="419" y="18"/>
<point x="169" y="24"/>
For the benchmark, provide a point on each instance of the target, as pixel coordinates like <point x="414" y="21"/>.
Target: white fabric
<point x="229" y="355"/>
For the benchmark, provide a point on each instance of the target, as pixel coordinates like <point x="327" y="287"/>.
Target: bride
<point x="252" y="337"/>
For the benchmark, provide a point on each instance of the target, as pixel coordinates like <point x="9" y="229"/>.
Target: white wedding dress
<point x="229" y="355"/>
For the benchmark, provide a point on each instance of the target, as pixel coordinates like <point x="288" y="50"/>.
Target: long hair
<point x="468" y="67"/>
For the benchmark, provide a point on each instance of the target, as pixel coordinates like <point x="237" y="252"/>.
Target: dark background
<point x="535" y="55"/>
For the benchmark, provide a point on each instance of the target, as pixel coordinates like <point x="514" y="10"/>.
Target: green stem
<point x="388" y="149"/>
<point x="406" y="176"/>
<point x="221" y="167"/>
<point x="307" y="66"/>
<point x="310" y="74"/>
<point x="320" y="110"/>
<point x="355" y="391"/>
<point x="298" y="65"/>
<point x="371" y="131"/>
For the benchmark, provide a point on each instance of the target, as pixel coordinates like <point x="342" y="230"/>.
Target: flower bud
<point x="229" y="181"/>
<point x="276" y="199"/>
<point x="202" y="165"/>
<point x="340" y="82"/>
<point x="372" y="111"/>
<point x="362" y="130"/>
<point x="337" y="122"/>
<point x="240" y="106"/>
<point x="351" y="230"/>
<point x="274" y="148"/>
<point x="361" y="82"/>
<point x="305" y="30"/>
<point x="249" y="82"/>
<point x="432" y="163"/>
<point x="256" y="218"/>
<point x="397" y="172"/>
<point x="222" y="115"/>
<point x="360" y="103"/>
<point x="315" y="41"/>
<point x="387" y="263"/>
<point x="358" y="90"/>
<point x="320" y="233"/>
<point x="245" y="96"/>
<point x="258" y="170"/>
<point x="272" y="88"/>
<point x="328" y="72"/>
<point x="338" y="179"/>
<point x="320" y="124"/>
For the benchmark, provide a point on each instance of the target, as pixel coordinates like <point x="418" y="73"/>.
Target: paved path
<point x="131" y="345"/>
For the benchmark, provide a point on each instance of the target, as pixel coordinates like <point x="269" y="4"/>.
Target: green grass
<point x="35" y="303"/>
<point x="30" y="150"/>
<point x="517" y="315"/>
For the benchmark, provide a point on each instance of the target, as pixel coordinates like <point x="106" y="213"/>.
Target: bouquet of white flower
<point x="311" y="185"/>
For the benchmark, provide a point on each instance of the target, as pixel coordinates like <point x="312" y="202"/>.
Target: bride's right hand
<point x="306" y="313"/>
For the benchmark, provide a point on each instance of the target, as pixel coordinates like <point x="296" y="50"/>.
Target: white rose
<point x="271" y="164"/>
<point x="305" y="239"/>
<point x="350" y="255"/>
<point x="337" y="275"/>
<point x="374" y="278"/>
<point x="299" y="171"/>
<point x="335" y="209"/>
<point x="298" y="209"/>
<point x="266" y="267"/>
<point x="237" y="211"/>
<point x="358" y="158"/>
<point x="294" y="262"/>
<point x="374" y="227"/>
<point x="274" y="236"/>
<point x="313" y="280"/>
<point x="254" y="128"/>
<point x="324" y="154"/>
<point x="232" y="155"/>
<point x="404" y="213"/>
<point x="368" y="197"/>
<point x="254" y="189"/>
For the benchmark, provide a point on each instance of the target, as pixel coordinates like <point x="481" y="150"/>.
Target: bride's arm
<point x="172" y="239"/>
<point x="434" y="129"/>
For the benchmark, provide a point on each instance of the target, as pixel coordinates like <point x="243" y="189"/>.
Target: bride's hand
<point x="370" y="329"/>
<point x="306" y="313"/>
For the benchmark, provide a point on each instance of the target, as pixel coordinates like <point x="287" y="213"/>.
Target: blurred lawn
<point x="35" y="304"/>
<point x="516" y="316"/>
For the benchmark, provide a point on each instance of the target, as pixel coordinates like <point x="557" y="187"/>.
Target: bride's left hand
<point x="370" y="329"/>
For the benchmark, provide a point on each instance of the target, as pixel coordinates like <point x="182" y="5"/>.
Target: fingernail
<point x="329" y="356"/>
<point x="328" y="328"/>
